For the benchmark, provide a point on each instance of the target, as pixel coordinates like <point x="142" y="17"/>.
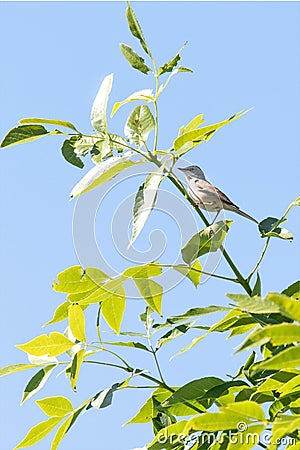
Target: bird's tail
<point x="242" y="213"/>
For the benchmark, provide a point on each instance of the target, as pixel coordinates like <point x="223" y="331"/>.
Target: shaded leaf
<point x="69" y="153"/>
<point x="103" y="398"/>
<point x="145" y="95"/>
<point x="137" y="345"/>
<point x="257" y="287"/>
<point x="193" y="390"/>
<point x="134" y="59"/>
<point x="169" y="66"/>
<point x="98" y="113"/>
<point x="75" y="368"/>
<point x="22" y="134"/>
<point x="208" y="240"/>
<point x="178" y="331"/>
<point x="37" y="382"/>
<point x="139" y="124"/>
<point x="269" y="228"/>
<point x="293" y="290"/>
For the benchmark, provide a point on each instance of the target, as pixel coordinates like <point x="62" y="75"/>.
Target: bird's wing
<point x="208" y="188"/>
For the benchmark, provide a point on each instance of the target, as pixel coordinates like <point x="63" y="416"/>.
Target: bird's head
<point x="192" y="172"/>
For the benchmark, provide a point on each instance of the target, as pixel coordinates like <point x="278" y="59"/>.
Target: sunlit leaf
<point x="144" y="271"/>
<point x="38" y="432"/>
<point x="77" y="322"/>
<point x="37" y="382"/>
<point x="17" y="368"/>
<point x="38" y="120"/>
<point x="192" y="138"/>
<point x="103" y="172"/>
<point x="151" y="291"/>
<point x="192" y="272"/>
<point x="53" y="345"/>
<point x="73" y="280"/>
<point x="113" y="305"/>
<point x="62" y="430"/>
<point x="98" y="113"/>
<point x="139" y="124"/>
<point x="283" y="333"/>
<point x="145" y="95"/>
<point x="55" y="406"/>
<point x="134" y="59"/>
<point x="288" y="358"/>
<point x="144" y="202"/>
<point x="208" y="240"/>
<point x="61" y="313"/>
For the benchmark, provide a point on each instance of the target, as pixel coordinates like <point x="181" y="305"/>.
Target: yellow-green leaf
<point x="17" y="368"/>
<point x="61" y="313"/>
<point x="73" y="280"/>
<point x="113" y="305"/>
<point x="62" y="430"/>
<point x="53" y="345"/>
<point x="36" y="120"/>
<point x="55" y="406"/>
<point x="37" y="382"/>
<point x="77" y="322"/>
<point x="151" y="291"/>
<point x="38" y="432"/>
<point x="145" y="95"/>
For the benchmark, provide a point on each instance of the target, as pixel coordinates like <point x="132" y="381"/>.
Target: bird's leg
<point x="215" y="217"/>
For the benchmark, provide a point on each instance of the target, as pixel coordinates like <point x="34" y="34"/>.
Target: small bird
<point x="207" y="196"/>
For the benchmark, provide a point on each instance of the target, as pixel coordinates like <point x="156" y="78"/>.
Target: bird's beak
<point x="181" y="168"/>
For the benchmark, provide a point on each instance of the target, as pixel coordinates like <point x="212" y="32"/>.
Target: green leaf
<point x="193" y="124"/>
<point x="54" y="345"/>
<point x="61" y="313"/>
<point x="145" y="95"/>
<point x="113" y="305"/>
<point x="167" y="437"/>
<point x="152" y="293"/>
<point x="193" y="390"/>
<point x="61" y="432"/>
<point x="69" y="152"/>
<point x="178" y="331"/>
<point x="103" y="172"/>
<point x="77" y="322"/>
<point x="17" y="368"/>
<point x="169" y="66"/>
<point x="37" y="382"/>
<point x="134" y="59"/>
<point x="208" y="240"/>
<point x="137" y="345"/>
<point x="98" y="113"/>
<point x="255" y="305"/>
<point x="38" y="432"/>
<point x="139" y="124"/>
<point x="268" y="228"/>
<point x="192" y="272"/>
<point x="242" y="437"/>
<point x="144" y="202"/>
<point x="257" y="287"/>
<point x="73" y="280"/>
<point x="192" y="138"/>
<point x="55" y="406"/>
<point x="135" y="28"/>
<point x="228" y="418"/>
<point x="75" y="368"/>
<point x="22" y="134"/>
<point x="288" y="358"/>
<point x="62" y="123"/>
<point x="190" y="314"/>
<point x="103" y="398"/>
<point x="143" y="271"/>
<point x="287" y="305"/>
<point x="293" y="290"/>
<point x="281" y="334"/>
<point x="117" y="142"/>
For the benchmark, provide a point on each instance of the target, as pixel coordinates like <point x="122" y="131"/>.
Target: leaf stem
<point x="259" y="259"/>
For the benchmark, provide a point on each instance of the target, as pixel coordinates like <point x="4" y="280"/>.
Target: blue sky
<point x="54" y="56"/>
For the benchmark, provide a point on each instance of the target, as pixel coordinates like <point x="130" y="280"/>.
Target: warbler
<point x="207" y="196"/>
